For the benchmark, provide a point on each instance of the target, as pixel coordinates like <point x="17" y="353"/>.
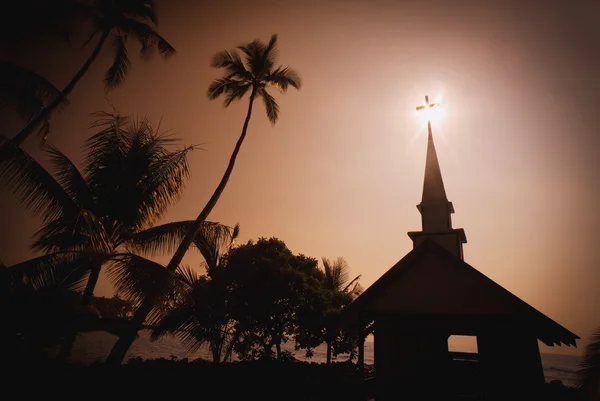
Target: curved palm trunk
<point x="46" y="111"/>
<point x="122" y="345"/>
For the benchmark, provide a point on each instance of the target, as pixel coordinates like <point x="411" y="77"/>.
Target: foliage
<point x="589" y="372"/>
<point x="114" y="307"/>
<point x="319" y="323"/>
<point x="125" y="19"/>
<point x="256" y="73"/>
<point x="111" y="20"/>
<point x="38" y="300"/>
<point x="201" y="312"/>
<point x="107" y="210"/>
<point x="24" y="91"/>
<point x="269" y="284"/>
<point x="260" y="59"/>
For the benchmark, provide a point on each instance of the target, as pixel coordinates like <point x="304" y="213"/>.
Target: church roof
<point x="432" y="281"/>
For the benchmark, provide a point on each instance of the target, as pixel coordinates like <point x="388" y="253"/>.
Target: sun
<point x="433" y="112"/>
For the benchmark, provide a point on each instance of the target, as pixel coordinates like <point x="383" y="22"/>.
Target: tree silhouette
<point x="589" y="373"/>
<point x="320" y="323"/>
<point x="256" y="74"/>
<point x="201" y="312"/>
<point x="25" y="91"/>
<point x="109" y="208"/>
<point x="37" y="302"/>
<point x="117" y="20"/>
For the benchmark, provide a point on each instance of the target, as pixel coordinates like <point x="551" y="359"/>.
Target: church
<point x="431" y="294"/>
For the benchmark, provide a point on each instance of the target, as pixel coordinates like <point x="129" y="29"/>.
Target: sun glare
<point x="433" y="113"/>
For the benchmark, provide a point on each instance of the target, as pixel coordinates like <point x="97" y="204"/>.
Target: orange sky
<point x="341" y="172"/>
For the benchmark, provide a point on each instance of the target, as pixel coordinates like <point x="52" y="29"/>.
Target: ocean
<point x="95" y="346"/>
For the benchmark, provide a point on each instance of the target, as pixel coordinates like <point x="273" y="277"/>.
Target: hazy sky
<point x="341" y="172"/>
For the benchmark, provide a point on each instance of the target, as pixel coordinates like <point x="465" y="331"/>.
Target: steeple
<point x="435" y="208"/>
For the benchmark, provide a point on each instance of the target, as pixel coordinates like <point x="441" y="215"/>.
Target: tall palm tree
<point x="342" y="291"/>
<point x="116" y="20"/>
<point x="254" y="75"/>
<point x="109" y="207"/>
<point x="201" y="312"/>
<point x="589" y="373"/>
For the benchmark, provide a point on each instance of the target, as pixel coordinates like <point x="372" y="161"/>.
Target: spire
<point x="433" y="185"/>
<point x="435" y="208"/>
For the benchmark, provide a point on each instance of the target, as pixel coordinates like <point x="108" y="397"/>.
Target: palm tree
<point x="109" y="207"/>
<point x="255" y="75"/>
<point x="24" y="91"/>
<point x="201" y="312"/>
<point x="589" y="373"/>
<point x="117" y="20"/>
<point x="342" y="291"/>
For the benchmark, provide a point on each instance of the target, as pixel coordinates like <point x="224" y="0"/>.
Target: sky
<point x="341" y="172"/>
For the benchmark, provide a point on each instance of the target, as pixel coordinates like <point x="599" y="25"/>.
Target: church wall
<point x="449" y="242"/>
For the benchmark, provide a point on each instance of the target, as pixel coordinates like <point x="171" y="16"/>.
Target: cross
<point x="427" y="104"/>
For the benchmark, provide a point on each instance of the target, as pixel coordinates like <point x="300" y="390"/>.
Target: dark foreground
<point x="260" y="380"/>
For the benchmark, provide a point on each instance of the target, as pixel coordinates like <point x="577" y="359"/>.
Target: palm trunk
<point x="46" y="111"/>
<point x="122" y="345"/>
<point x="328" y="352"/>
<point x="86" y="300"/>
<point x="88" y="293"/>
<point x="278" y="349"/>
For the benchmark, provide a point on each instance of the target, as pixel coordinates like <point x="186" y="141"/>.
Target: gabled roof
<point x="431" y="280"/>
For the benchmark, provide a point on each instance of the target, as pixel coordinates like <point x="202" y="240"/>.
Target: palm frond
<point x="66" y="270"/>
<point x="213" y="240"/>
<point x="159" y="239"/>
<point x="149" y="39"/>
<point x="70" y="178"/>
<point x="588" y="374"/>
<point x="282" y="78"/>
<point x="236" y="91"/>
<point x="117" y="72"/>
<point x="254" y="52"/>
<point x="138" y="278"/>
<point x="138" y="9"/>
<point x="177" y="318"/>
<point x="132" y="171"/>
<point x="271" y="105"/>
<point x="218" y="87"/>
<point x="79" y="229"/>
<point x="168" y="173"/>
<point x="271" y="53"/>
<point x="37" y="189"/>
<point x="336" y="274"/>
<point x="232" y="62"/>
<point x="25" y="91"/>
<point x="187" y="276"/>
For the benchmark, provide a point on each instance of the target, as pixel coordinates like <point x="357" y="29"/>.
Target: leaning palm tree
<point x="589" y="373"/>
<point x="110" y="207"/>
<point x="255" y="75"/>
<point x="201" y="313"/>
<point x="342" y="291"/>
<point x="115" y="20"/>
